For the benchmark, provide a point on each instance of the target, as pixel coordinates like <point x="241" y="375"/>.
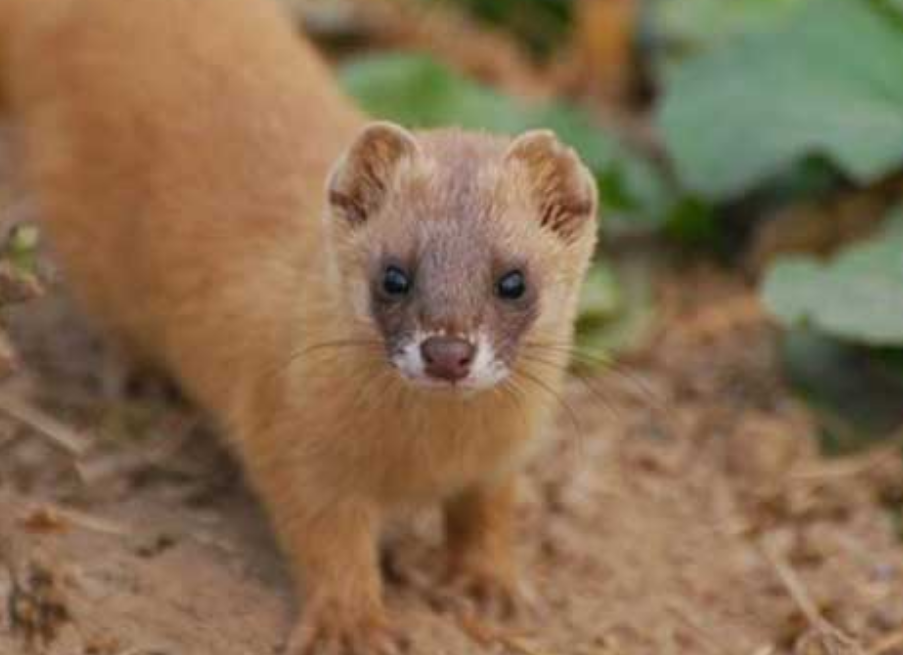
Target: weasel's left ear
<point x="359" y="182"/>
<point x="562" y="187"/>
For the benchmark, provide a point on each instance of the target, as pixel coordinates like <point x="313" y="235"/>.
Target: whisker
<point x="598" y="358"/>
<point x="378" y="374"/>
<point x="636" y="384"/>
<point x="334" y="348"/>
<point x="337" y="344"/>
<point x="587" y="382"/>
<point x="511" y="390"/>
<point x="557" y="397"/>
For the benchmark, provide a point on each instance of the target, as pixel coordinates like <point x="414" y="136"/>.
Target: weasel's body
<point x="180" y="152"/>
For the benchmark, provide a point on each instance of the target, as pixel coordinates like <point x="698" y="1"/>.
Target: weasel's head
<point x="463" y="253"/>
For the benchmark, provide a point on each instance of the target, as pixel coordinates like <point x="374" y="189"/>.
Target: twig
<point x="798" y="593"/>
<point x="37" y="609"/>
<point x="34" y="608"/>
<point x="852" y="467"/>
<point x="792" y="584"/>
<point x="886" y="643"/>
<point x="694" y="625"/>
<point x="518" y="645"/>
<point x="56" y="432"/>
<point x="486" y="636"/>
<point x="122" y="464"/>
<point x="50" y="514"/>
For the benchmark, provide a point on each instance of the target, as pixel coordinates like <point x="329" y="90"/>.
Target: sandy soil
<point x="684" y="511"/>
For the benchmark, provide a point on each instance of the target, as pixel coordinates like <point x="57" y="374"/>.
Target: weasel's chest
<point x="413" y="455"/>
<point x="442" y="458"/>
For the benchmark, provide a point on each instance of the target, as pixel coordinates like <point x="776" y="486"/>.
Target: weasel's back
<point x="171" y="144"/>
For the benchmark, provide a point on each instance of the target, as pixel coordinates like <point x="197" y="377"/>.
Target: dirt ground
<point x="681" y="508"/>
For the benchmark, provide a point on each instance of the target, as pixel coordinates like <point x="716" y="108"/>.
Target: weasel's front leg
<point x="330" y="542"/>
<point x="334" y="554"/>
<point x="479" y="528"/>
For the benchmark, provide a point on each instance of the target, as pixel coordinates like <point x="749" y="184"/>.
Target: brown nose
<point x="447" y="358"/>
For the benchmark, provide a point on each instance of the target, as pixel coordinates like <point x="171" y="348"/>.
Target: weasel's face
<point x="450" y="310"/>
<point x="463" y="252"/>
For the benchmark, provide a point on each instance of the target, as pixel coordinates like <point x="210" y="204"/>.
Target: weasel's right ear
<point x="360" y="180"/>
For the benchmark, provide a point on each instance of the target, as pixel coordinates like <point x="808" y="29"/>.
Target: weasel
<point x="378" y="318"/>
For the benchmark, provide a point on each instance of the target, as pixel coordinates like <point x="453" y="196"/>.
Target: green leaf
<point x="828" y="82"/>
<point x="600" y="298"/>
<point x="854" y="391"/>
<point x="857" y="296"/>
<point x="542" y="24"/>
<point x="617" y="310"/>
<point x="698" y="25"/>
<point x="22" y="249"/>
<point x="678" y="30"/>
<point x="693" y="223"/>
<point x="418" y="92"/>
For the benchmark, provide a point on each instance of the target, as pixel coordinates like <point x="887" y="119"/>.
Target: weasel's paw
<point x="494" y="595"/>
<point x="330" y="630"/>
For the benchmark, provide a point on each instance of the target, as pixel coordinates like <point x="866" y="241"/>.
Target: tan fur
<point x="180" y="151"/>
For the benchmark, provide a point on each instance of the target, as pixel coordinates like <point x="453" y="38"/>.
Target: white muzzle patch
<point x="486" y="369"/>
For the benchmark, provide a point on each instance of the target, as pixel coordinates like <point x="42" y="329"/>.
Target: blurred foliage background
<point x="763" y="135"/>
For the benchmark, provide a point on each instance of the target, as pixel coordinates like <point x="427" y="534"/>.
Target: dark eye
<point x="396" y="282"/>
<point x="511" y="286"/>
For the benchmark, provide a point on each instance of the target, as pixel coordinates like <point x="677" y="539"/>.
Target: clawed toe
<point x="334" y="633"/>
<point x="492" y="596"/>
